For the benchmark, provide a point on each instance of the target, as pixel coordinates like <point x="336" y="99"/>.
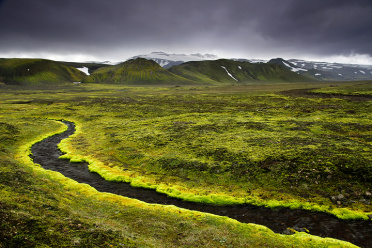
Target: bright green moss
<point x="227" y="145"/>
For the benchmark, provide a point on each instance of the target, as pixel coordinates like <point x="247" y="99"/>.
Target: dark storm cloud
<point x="99" y="27"/>
<point x="96" y="21"/>
<point x="328" y="26"/>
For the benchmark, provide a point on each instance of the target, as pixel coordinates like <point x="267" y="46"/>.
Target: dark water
<point x="359" y="233"/>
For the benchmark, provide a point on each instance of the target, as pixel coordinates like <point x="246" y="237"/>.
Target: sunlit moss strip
<point x="253" y="231"/>
<point x="116" y="174"/>
<point x="27" y="147"/>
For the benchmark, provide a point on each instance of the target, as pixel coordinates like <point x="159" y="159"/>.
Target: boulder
<point x="368" y="194"/>
<point x="341" y="197"/>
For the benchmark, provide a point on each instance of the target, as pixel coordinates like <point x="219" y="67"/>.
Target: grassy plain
<point x="219" y="145"/>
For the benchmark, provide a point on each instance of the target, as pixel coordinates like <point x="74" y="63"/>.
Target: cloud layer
<point x="118" y="29"/>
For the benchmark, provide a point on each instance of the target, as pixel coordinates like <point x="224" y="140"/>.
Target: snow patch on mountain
<point x="84" y="69"/>
<point x="228" y="73"/>
<point x="294" y="69"/>
<point x="162" y="62"/>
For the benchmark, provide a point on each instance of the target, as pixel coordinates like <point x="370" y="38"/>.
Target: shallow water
<point x="359" y="233"/>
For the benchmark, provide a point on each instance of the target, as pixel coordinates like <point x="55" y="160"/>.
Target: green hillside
<point x="229" y="71"/>
<point x="36" y="72"/>
<point x="135" y="72"/>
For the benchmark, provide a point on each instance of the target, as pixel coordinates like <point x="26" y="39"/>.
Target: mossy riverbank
<point x="210" y="143"/>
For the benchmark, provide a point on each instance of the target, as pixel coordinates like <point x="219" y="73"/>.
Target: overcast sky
<point x="84" y="30"/>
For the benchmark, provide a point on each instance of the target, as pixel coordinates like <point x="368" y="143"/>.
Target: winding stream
<point x="359" y="233"/>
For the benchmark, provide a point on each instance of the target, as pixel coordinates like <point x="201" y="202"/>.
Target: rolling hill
<point x="86" y="67"/>
<point x="167" y="60"/>
<point x="229" y="71"/>
<point x="324" y="71"/>
<point x="36" y="72"/>
<point x="137" y="71"/>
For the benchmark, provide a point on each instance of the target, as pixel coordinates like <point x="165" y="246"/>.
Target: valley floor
<point x="258" y="144"/>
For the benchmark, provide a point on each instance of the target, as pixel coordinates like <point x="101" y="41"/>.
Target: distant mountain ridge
<point x="166" y="60"/>
<point x="230" y="71"/>
<point x="323" y="71"/>
<point x="137" y="71"/>
<point x="142" y="71"/>
<point x="254" y="61"/>
<point x="326" y="71"/>
<point x="186" y="70"/>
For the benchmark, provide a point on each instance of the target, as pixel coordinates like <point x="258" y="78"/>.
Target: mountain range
<point x="177" y="69"/>
<point x="137" y="71"/>
<point x="167" y="60"/>
<point x="141" y="71"/>
<point x="230" y="71"/>
<point x="323" y="71"/>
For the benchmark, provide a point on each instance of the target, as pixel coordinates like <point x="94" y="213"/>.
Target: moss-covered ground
<point x="361" y="88"/>
<point x="218" y="145"/>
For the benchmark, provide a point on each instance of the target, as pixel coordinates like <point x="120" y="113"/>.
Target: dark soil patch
<point x="308" y="94"/>
<point x="46" y="154"/>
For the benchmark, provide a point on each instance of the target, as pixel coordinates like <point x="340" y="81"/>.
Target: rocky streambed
<point x="46" y="153"/>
